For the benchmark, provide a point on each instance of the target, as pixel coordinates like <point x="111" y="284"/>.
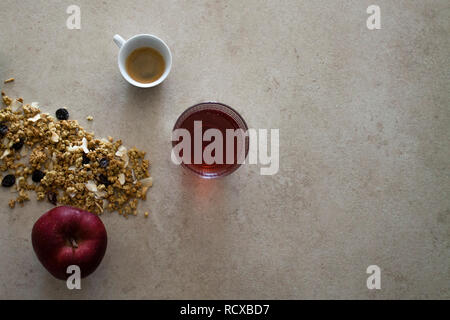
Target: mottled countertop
<point x="364" y="123"/>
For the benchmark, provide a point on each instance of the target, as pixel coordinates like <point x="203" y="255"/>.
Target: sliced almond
<point x="100" y="194"/>
<point x="121" y="151"/>
<point x="35" y="118"/>
<point x="55" y="137"/>
<point x="18" y="182"/>
<point x="5" y="154"/>
<point x="121" y="178"/>
<point x="84" y="145"/>
<point x="134" y="176"/>
<point x="147" y="182"/>
<point x="16" y="105"/>
<point x="91" y="186"/>
<point x="73" y="148"/>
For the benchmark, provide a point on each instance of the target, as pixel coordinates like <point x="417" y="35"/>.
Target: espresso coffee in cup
<point x="145" y="65"/>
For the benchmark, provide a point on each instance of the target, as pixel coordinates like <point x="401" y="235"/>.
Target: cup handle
<point x="119" y="40"/>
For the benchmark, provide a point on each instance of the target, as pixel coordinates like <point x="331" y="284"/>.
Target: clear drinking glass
<point x="215" y="115"/>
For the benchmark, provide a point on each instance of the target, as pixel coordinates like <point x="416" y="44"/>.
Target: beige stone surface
<point x="364" y="119"/>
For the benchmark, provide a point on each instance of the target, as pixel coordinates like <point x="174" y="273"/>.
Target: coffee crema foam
<point x="145" y="65"/>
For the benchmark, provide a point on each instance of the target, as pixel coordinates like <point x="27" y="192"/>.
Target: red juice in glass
<point x="214" y="115"/>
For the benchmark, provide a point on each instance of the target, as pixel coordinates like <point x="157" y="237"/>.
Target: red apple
<point x="67" y="236"/>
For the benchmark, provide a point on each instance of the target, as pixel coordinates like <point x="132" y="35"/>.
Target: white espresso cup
<point x="140" y="41"/>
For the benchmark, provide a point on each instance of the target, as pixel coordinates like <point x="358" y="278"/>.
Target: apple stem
<point x="74" y="243"/>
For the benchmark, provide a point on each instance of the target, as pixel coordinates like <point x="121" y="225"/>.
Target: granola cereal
<point x="70" y="165"/>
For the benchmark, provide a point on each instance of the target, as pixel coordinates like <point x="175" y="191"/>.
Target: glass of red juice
<point x="214" y="115"/>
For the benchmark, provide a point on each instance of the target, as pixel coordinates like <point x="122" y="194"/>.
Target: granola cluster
<point x="61" y="162"/>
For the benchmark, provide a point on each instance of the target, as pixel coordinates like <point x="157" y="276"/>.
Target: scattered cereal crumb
<point x="9" y="80"/>
<point x="89" y="118"/>
<point x="12" y="203"/>
<point x="146" y="214"/>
